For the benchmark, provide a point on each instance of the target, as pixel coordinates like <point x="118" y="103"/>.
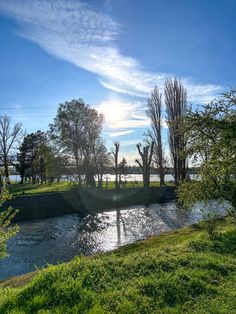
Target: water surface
<point x="59" y="239"/>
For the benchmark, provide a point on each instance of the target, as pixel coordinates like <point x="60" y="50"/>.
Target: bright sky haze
<point x="111" y="53"/>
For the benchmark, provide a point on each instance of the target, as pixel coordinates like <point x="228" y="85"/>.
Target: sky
<point x="111" y="53"/>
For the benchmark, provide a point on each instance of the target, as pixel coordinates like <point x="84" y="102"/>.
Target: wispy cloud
<point x="131" y="123"/>
<point x="120" y="133"/>
<point x="73" y="31"/>
<point x="128" y="143"/>
<point x="123" y="117"/>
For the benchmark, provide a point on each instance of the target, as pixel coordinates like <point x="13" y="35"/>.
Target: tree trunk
<point x="6" y="171"/>
<point x="116" y="153"/>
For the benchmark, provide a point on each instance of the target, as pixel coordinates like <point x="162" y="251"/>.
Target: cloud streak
<point x="123" y="117"/>
<point x="74" y="32"/>
<point x="120" y="133"/>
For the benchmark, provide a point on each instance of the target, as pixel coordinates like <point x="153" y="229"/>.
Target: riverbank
<point x="85" y="201"/>
<point x="18" y="189"/>
<point x="179" y="271"/>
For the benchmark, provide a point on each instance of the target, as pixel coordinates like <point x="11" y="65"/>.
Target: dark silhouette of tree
<point x="37" y="160"/>
<point x="116" y="165"/>
<point x="28" y="157"/>
<point x="176" y="108"/>
<point x="23" y="160"/>
<point x="154" y="112"/>
<point x="123" y="169"/>
<point x="145" y="165"/>
<point x="9" y="136"/>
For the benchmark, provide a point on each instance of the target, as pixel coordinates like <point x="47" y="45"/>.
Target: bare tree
<point x="9" y="135"/>
<point x="145" y="165"/>
<point x="116" y="168"/>
<point x="154" y="112"/>
<point x="176" y="107"/>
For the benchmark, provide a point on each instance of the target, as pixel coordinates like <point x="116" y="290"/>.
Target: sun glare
<point x="113" y="111"/>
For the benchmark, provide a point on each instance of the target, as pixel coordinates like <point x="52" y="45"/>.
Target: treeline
<point x="73" y="145"/>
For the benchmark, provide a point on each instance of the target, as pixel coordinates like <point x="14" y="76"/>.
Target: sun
<point x="113" y="111"/>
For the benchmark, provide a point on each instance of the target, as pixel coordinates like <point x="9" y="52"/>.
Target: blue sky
<point x="111" y="54"/>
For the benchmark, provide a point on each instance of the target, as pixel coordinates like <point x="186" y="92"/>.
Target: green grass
<point x="29" y="188"/>
<point x="183" y="271"/>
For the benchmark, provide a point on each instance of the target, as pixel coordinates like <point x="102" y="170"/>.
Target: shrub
<point x="6" y="216"/>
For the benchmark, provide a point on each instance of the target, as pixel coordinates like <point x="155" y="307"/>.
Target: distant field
<point x="29" y="188"/>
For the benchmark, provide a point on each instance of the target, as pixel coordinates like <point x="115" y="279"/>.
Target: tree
<point x="116" y="167"/>
<point x="6" y="216"/>
<point x="154" y="112"/>
<point x="9" y="135"/>
<point x="22" y="161"/>
<point x="122" y="169"/>
<point x="145" y="165"/>
<point x="75" y="131"/>
<point x="176" y="108"/>
<point x="212" y="147"/>
<point x="101" y="160"/>
<point x="53" y="164"/>
<point x="27" y="163"/>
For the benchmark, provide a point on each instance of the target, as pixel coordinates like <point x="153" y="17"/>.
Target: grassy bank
<point x="29" y="188"/>
<point x="183" y="271"/>
<point x="85" y="201"/>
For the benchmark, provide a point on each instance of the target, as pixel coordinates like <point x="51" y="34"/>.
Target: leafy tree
<point x="27" y="157"/>
<point x="53" y="163"/>
<point x="212" y="146"/>
<point x="102" y="160"/>
<point x="6" y="216"/>
<point x="123" y="169"/>
<point x="23" y="160"/>
<point x="75" y="131"/>
<point x="46" y="164"/>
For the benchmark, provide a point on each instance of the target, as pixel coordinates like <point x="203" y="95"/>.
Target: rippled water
<point x="59" y="239"/>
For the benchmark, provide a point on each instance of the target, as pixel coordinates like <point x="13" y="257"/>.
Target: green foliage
<point x="76" y="132"/>
<point x="47" y="163"/>
<point x="196" y="274"/>
<point x="212" y="146"/>
<point x="27" y="155"/>
<point x="37" y="160"/>
<point x="6" y="216"/>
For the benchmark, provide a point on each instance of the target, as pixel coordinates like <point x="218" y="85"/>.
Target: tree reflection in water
<point x="58" y="239"/>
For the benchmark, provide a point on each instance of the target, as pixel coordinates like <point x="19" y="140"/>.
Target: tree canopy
<point x="6" y="216"/>
<point x="76" y="131"/>
<point x="212" y="146"/>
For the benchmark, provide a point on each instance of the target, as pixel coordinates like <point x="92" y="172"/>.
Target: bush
<point x="6" y="216"/>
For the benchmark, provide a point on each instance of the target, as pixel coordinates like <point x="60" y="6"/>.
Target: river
<point x="111" y="177"/>
<point x="59" y="239"/>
